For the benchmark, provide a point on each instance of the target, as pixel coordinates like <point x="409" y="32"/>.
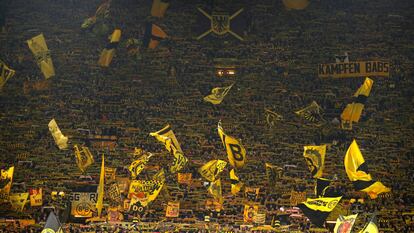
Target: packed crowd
<point x="140" y="94"/>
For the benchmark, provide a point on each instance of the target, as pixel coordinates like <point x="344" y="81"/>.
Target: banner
<point x="145" y="190"/>
<point x="354" y="69"/>
<point x="5" y="74"/>
<point x="6" y="180"/>
<point x="357" y="170"/>
<point x="36" y="197"/>
<point x="42" y="55"/>
<point x="112" y="192"/>
<point x="82" y="204"/>
<point x="249" y="212"/>
<point x="184" y="178"/>
<point x="211" y="169"/>
<point x="259" y="218"/>
<point x="315" y="159"/>
<point x="251" y="193"/>
<point x="60" y="139"/>
<point x="236" y="152"/>
<point x="173" y="209"/>
<point x="18" y="201"/>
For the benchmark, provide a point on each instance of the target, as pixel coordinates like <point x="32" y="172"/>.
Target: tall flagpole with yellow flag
<point x="99" y="203"/>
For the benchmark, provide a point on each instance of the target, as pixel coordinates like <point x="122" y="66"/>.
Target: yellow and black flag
<point x="315" y="159"/>
<point x="370" y="227"/>
<point x="296" y="4"/>
<point x="321" y="187"/>
<point x="352" y="112"/>
<point x="18" y="201"/>
<point x="357" y="170"/>
<point x="36" y="197"/>
<point x="109" y="51"/>
<point x="138" y="165"/>
<point x="101" y="192"/>
<point x="84" y="158"/>
<point x="272" y="118"/>
<point x="6" y="180"/>
<point x="159" y="7"/>
<point x="236" y="152"/>
<point x="236" y="185"/>
<point x="163" y="134"/>
<point x="211" y="169"/>
<point x="318" y="209"/>
<point x="179" y="159"/>
<point x="5" y="73"/>
<point x="217" y="94"/>
<point x="153" y="35"/>
<point x="312" y="114"/>
<point x="42" y="55"/>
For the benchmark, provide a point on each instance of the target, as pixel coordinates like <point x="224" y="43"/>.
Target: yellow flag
<point x="215" y="190"/>
<point x="217" y="94"/>
<point x="353" y="111"/>
<point x="159" y="7"/>
<point x="145" y="191"/>
<point x="163" y="135"/>
<point x="18" y="201"/>
<point x="109" y="51"/>
<point x="60" y="139"/>
<point x="236" y="185"/>
<point x="357" y="171"/>
<point x="6" y="180"/>
<point x="371" y="227"/>
<point x="42" y="55"/>
<point x="84" y="158"/>
<point x="99" y="202"/>
<point x="5" y="74"/>
<point x="315" y="159"/>
<point x="179" y="159"/>
<point x="236" y="152"/>
<point x="36" y="197"/>
<point x="344" y="224"/>
<point x="211" y="169"/>
<point x="138" y="165"/>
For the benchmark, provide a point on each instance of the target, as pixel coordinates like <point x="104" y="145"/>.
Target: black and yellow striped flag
<point x="352" y="112"/>
<point x="109" y="51"/>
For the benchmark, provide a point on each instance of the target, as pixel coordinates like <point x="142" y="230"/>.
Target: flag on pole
<point x="99" y="203"/>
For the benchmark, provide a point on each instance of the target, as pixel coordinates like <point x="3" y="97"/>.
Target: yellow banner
<point x="36" y="197"/>
<point x="173" y="209"/>
<point x="236" y="152"/>
<point x="83" y="204"/>
<point x="6" y="180"/>
<point x="354" y="69"/>
<point x="249" y="212"/>
<point x="18" y="201"/>
<point x="42" y="55"/>
<point x="84" y="158"/>
<point x="145" y="190"/>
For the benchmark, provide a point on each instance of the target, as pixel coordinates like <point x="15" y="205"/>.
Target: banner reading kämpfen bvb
<point x="354" y="69"/>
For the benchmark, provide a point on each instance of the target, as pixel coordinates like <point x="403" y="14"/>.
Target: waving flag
<point x="357" y="170"/>
<point x="217" y="94"/>
<point x="352" y="112"/>
<point x="236" y="152"/>
<point x="215" y="190"/>
<point x="236" y="185"/>
<point x="153" y="36"/>
<point x="163" y="134"/>
<point x="315" y="159"/>
<point x="138" y="165"/>
<point x="5" y="74"/>
<point x="312" y="114"/>
<point x="42" y="55"/>
<point x="318" y="209"/>
<point x="344" y="224"/>
<point x="60" y="139"/>
<point x="109" y="51"/>
<point x="6" y="180"/>
<point x="84" y="158"/>
<point x="52" y="224"/>
<point x="211" y="169"/>
<point x="99" y="203"/>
